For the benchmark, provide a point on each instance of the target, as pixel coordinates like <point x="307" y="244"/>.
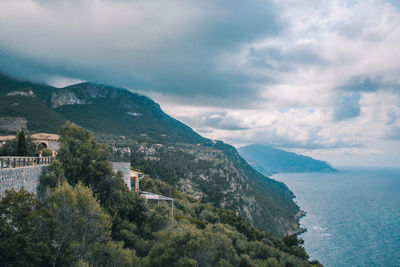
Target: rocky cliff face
<point x="63" y="98"/>
<point x="215" y="173"/>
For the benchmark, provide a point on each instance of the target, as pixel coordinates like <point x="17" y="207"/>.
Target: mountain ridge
<point x="159" y="145"/>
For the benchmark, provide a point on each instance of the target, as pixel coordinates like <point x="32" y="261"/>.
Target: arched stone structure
<point x="47" y="141"/>
<point x="42" y="145"/>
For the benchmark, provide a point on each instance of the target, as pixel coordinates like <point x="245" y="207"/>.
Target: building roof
<point x="149" y="195"/>
<point x="136" y="173"/>
<point x="7" y="137"/>
<point x="45" y="136"/>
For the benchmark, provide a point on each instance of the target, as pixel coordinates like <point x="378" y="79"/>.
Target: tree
<point x="9" y="148"/>
<point x="295" y="246"/>
<point x="82" y="229"/>
<point x="22" y="144"/>
<point x="25" y="229"/>
<point x="52" y="176"/>
<point x="81" y="159"/>
<point x="292" y="240"/>
<point x="110" y="230"/>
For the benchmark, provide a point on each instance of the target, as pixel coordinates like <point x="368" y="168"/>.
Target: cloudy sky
<point x="317" y="77"/>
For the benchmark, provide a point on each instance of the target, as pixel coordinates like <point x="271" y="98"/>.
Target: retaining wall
<point x="28" y="177"/>
<point x="125" y="168"/>
<point x="22" y="177"/>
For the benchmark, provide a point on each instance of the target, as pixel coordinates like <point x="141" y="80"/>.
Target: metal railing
<point x="15" y="162"/>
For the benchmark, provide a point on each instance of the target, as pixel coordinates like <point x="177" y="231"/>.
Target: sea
<point x="353" y="216"/>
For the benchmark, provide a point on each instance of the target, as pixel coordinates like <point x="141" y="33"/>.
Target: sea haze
<point x="353" y="216"/>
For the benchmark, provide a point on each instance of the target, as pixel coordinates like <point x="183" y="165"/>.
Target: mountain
<point x="138" y="131"/>
<point x="99" y="108"/>
<point x="269" y="160"/>
<point x="21" y="105"/>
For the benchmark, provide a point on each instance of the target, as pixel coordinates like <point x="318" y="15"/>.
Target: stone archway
<point x="42" y="145"/>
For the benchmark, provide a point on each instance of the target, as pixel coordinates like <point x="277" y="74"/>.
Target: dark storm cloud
<point x="276" y="58"/>
<point x="367" y="84"/>
<point x="173" y="47"/>
<point x="347" y="107"/>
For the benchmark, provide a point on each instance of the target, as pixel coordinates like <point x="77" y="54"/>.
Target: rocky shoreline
<point x="299" y="215"/>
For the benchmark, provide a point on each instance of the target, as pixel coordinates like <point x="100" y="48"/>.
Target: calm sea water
<point x="353" y="216"/>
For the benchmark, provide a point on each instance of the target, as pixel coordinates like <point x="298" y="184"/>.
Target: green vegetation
<point x="39" y="116"/>
<point x="87" y="217"/>
<point x="20" y="146"/>
<point x="215" y="174"/>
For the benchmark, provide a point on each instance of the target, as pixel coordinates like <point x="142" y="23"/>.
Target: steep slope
<point x="21" y="105"/>
<point x="269" y="160"/>
<point x="118" y="111"/>
<point x="214" y="173"/>
<point x="139" y="131"/>
<point x="99" y="108"/>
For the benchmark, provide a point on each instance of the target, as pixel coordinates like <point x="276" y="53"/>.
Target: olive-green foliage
<point x="9" y="148"/>
<point x="54" y="175"/>
<point x="68" y="229"/>
<point x="82" y="229"/>
<point x="217" y="173"/>
<point x="89" y="218"/>
<point x="82" y="159"/>
<point x="25" y="230"/>
<point x="46" y="152"/>
<point x="216" y="237"/>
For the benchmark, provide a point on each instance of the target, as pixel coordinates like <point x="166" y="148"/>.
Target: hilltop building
<point x="47" y="141"/>
<point x="5" y="139"/>
<point x="136" y="177"/>
<point x="44" y="141"/>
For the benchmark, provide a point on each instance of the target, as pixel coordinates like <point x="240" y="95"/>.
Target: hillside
<point x="99" y="108"/>
<point x="139" y="131"/>
<point x="21" y="105"/>
<point x="84" y="215"/>
<point x="269" y="160"/>
<point x="214" y="173"/>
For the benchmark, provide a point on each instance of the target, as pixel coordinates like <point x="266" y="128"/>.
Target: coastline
<point x="300" y="214"/>
<point x="336" y="203"/>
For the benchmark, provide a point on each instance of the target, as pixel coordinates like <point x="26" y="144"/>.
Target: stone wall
<point x="28" y="177"/>
<point x="54" y="145"/>
<point x="125" y="168"/>
<point x="22" y="177"/>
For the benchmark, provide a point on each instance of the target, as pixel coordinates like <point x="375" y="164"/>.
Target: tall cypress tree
<point x="22" y="144"/>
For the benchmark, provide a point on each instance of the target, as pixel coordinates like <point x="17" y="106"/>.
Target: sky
<point x="321" y="78"/>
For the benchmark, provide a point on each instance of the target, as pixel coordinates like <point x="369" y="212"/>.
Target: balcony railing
<point x="16" y="162"/>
